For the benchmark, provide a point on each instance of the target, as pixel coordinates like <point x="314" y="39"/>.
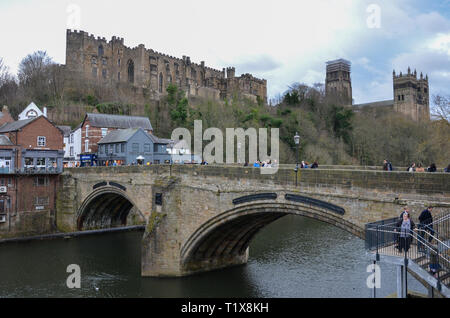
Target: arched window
<point x="161" y="82"/>
<point x="131" y="71"/>
<point x="100" y="50"/>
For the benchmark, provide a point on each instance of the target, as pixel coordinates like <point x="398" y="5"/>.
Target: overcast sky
<point x="283" y="41"/>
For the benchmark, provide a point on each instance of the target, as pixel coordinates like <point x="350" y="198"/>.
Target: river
<point x="294" y="257"/>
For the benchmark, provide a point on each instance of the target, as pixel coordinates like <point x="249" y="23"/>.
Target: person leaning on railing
<point x="405" y="227"/>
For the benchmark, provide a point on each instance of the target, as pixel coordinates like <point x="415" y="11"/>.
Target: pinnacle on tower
<point x="409" y="70"/>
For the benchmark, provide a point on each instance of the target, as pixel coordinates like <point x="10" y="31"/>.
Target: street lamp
<point x="297" y="143"/>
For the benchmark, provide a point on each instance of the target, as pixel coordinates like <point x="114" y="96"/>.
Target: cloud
<point x="260" y="64"/>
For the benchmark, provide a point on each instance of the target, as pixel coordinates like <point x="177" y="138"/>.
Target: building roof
<point x="66" y="130"/>
<point x="383" y="103"/>
<point x="123" y="135"/>
<point x="119" y="135"/>
<point x="15" y="125"/>
<point x="118" y="121"/>
<point x="4" y="141"/>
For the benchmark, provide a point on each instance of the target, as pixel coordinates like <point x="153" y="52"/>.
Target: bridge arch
<point x="224" y="239"/>
<point x="105" y="207"/>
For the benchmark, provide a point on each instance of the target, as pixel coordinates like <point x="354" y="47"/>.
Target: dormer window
<point x="32" y="114"/>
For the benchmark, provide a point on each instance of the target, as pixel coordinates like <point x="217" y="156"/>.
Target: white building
<point x="74" y="146"/>
<point x="32" y="111"/>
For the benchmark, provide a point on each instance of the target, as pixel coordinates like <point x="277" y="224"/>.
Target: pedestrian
<point x="420" y="168"/>
<point x="405" y="227"/>
<point x="256" y="164"/>
<point x="425" y="226"/>
<point x="432" y="168"/>
<point x="315" y="165"/>
<point x="246" y="164"/>
<point x="412" y="168"/>
<point x="387" y="165"/>
<point x="447" y="169"/>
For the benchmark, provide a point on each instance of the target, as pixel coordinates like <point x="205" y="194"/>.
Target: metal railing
<point x="428" y="246"/>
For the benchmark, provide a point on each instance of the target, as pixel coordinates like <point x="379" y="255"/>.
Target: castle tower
<point x="412" y="95"/>
<point x="338" y="81"/>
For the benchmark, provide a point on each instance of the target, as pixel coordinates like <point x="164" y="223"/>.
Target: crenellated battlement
<point x="121" y="64"/>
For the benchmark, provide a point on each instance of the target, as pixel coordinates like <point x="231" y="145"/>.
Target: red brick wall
<point x="41" y="127"/>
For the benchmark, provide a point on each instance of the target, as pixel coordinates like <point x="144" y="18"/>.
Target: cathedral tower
<point x="338" y="81"/>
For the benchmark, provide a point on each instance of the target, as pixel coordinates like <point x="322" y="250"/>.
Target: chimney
<point x="45" y="111"/>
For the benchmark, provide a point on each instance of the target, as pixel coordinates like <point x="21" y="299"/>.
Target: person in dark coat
<point x="426" y="225"/>
<point x="315" y="165"/>
<point x="432" y="168"/>
<point x="405" y="226"/>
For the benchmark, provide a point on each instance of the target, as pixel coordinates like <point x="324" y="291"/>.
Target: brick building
<point x="31" y="159"/>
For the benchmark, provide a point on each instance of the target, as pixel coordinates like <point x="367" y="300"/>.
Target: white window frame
<point x="87" y="131"/>
<point x="86" y="146"/>
<point x="39" y="142"/>
<point x="104" y="132"/>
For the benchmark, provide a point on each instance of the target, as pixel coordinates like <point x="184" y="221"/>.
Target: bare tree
<point x="441" y="108"/>
<point x="35" y="76"/>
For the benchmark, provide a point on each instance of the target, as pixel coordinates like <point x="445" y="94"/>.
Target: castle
<point x="145" y="72"/>
<point x="411" y="93"/>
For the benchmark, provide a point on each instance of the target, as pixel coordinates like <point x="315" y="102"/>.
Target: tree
<point x="441" y="109"/>
<point x="36" y="76"/>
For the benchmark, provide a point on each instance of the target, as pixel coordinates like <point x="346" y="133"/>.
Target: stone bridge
<point x="201" y="218"/>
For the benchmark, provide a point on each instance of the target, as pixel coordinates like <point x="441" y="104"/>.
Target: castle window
<point x="161" y="81"/>
<point x="403" y="97"/>
<point x="399" y="97"/>
<point x="118" y="62"/>
<point x="94" y="60"/>
<point x="100" y="50"/>
<point x="104" y="62"/>
<point x="193" y="73"/>
<point x="104" y="74"/>
<point x="131" y="71"/>
<point x="153" y="68"/>
<point x="169" y="78"/>
<point x="94" y="72"/>
<point x="425" y="90"/>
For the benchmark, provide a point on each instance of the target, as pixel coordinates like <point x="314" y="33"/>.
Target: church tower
<point x="412" y="95"/>
<point x="338" y="81"/>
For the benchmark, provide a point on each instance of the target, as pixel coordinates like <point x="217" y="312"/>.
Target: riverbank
<point x="72" y="234"/>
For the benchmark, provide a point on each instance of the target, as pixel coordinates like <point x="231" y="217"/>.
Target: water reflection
<point x="293" y="257"/>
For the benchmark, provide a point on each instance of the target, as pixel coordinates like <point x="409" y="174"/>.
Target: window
<point x="118" y="76"/>
<point x="94" y="72"/>
<point x="161" y="80"/>
<point x="118" y="62"/>
<point x="146" y="147"/>
<point x="104" y="61"/>
<point x="403" y="97"/>
<point x="87" y="131"/>
<point x="122" y="146"/>
<point x="104" y="74"/>
<point x="106" y="149"/>
<point x="71" y="151"/>
<point x="29" y="161"/>
<point x="117" y="148"/>
<point x="86" y="146"/>
<point x="100" y="50"/>
<point x="41" y="141"/>
<point x="155" y="148"/>
<point x="40" y="162"/>
<point x="101" y="149"/>
<point x="104" y="132"/>
<point x="10" y="182"/>
<point x="41" y="181"/>
<point x="71" y="138"/>
<point x="94" y="60"/>
<point x="135" y="148"/>
<point x="131" y="71"/>
<point x="153" y="68"/>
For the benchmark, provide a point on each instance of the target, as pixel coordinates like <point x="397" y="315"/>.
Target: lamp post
<point x="297" y="143"/>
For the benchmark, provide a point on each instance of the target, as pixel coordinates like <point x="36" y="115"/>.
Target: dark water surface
<point x="293" y="257"/>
